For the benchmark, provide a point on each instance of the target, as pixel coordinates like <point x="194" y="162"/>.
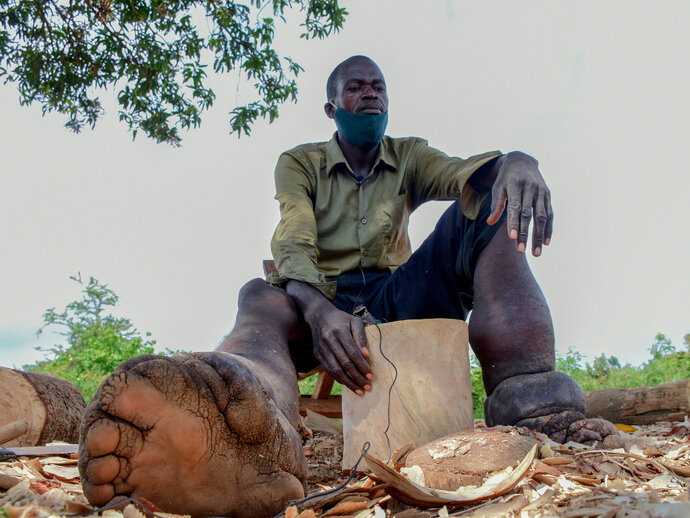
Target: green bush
<point x="667" y="364"/>
<point x="97" y="341"/>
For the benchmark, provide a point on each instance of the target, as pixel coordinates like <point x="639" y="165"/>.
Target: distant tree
<point x="662" y="346"/>
<point x="156" y="53"/>
<point x="97" y="341"/>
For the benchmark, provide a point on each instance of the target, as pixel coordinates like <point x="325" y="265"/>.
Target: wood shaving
<point x="651" y="477"/>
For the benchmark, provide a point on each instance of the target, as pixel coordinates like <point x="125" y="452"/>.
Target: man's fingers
<point x="540" y="219"/>
<point x="514" y="210"/>
<point x="498" y="202"/>
<point x="351" y="359"/>
<point x="333" y="367"/>
<point x="360" y="338"/>
<point x="548" y="230"/>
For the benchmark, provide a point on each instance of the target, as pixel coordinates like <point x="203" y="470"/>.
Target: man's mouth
<point x="371" y="108"/>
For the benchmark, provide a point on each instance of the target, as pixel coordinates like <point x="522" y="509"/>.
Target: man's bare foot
<point x="552" y="403"/>
<point x="573" y="426"/>
<point x="194" y="434"/>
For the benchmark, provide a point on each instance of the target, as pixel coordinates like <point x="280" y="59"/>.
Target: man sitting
<point x="215" y="433"/>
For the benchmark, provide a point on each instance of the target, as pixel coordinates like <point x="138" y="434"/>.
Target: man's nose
<point x="369" y="92"/>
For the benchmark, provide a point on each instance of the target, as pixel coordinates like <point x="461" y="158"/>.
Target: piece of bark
<point x="51" y="407"/>
<point x="468" y="458"/>
<point x="640" y="405"/>
<point x="432" y="395"/>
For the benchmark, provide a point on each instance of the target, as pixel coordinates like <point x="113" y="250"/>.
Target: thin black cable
<point x="364" y="282"/>
<point x="129" y="499"/>
<point x="390" y="391"/>
<point x="353" y="472"/>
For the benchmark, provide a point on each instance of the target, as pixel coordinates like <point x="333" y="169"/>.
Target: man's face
<point x="361" y="89"/>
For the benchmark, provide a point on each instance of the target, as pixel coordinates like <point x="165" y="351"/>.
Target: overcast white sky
<point x="597" y="91"/>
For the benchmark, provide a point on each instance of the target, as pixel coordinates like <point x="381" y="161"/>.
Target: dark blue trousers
<point x="437" y="281"/>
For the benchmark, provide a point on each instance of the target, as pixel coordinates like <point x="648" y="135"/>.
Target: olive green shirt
<point x="331" y="222"/>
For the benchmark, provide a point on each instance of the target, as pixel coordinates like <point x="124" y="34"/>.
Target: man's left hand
<point x="520" y="183"/>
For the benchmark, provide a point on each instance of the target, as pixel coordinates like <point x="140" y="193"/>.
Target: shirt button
<point x="364" y="221"/>
<point x="365" y="253"/>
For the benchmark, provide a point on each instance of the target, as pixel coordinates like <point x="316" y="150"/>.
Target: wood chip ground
<point x="650" y="478"/>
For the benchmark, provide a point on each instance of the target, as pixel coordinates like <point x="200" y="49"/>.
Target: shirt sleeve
<point x="294" y="240"/>
<point x="437" y="176"/>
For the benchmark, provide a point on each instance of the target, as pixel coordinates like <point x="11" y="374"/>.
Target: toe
<point x="108" y="436"/>
<point x="98" y="495"/>
<point x="102" y="470"/>
<point x="101" y="438"/>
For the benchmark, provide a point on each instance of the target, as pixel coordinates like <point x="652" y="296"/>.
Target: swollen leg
<point x="511" y="333"/>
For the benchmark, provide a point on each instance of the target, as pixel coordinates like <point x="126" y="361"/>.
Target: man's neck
<point x="360" y="160"/>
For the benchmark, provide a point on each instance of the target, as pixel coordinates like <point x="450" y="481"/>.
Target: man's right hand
<point x="339" y="339"/>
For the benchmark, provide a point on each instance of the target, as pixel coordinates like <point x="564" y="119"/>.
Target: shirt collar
<point x="335" y="156"/>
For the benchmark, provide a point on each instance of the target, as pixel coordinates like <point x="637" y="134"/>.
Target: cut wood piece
<point x="51" y="407"/>
<point x="13" y="430"/>
<point x="320" y="423"/>
<point x="431" y="398"/>
<point x="411" y="493"/>
<point x="641" y="405"/>
<point x="468" y="458"/>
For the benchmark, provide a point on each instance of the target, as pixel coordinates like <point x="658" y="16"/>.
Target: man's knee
<point x="259" y="301"/>
<point x="256" y="288"/>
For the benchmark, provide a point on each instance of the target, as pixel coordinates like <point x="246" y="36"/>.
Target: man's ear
<point x="329" y="109"/>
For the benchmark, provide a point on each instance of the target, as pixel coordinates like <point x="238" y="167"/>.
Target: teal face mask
<point x="364" y="130"/>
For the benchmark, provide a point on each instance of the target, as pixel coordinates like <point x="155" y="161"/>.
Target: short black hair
<point x="332" y="83"/>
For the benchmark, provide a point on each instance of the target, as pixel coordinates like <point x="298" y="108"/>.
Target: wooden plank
<point x="270" y="267"/>
<point x="323" y="387"/>
<point x="331" y="407"/>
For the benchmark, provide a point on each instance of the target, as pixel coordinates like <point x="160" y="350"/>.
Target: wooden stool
<point x="320" y="401"/>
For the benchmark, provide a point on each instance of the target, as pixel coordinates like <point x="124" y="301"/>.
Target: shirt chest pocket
<point x="391" y="217"/>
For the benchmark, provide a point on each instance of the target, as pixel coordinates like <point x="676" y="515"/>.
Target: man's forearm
<point x="309" y="299"/>
<point x="483" y="178"/>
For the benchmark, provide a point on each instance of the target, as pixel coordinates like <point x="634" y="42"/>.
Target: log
<point x="640" y="405"/>
<point x="51" y="407"/>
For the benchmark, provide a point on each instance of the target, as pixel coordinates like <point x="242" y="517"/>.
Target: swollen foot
<point x="194" y="434"/>
<point x="551" y="403"/>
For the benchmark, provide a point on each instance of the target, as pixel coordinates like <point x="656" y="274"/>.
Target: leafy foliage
<point x="157" y="52"/>
<point x="97" y="341"/>
<point x="667" y="364"/>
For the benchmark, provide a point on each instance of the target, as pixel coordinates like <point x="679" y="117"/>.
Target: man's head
<point x="357" y="86"/>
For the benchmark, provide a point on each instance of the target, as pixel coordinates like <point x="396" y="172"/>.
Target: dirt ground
<point x="650" y="478"/>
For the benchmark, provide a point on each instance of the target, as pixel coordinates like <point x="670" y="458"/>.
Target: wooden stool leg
<point x="323" y="387"/>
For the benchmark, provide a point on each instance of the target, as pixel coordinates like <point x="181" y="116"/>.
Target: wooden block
<point x="431" y="398"/>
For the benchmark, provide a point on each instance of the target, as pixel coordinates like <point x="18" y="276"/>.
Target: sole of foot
<point x="194" y="434"/>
